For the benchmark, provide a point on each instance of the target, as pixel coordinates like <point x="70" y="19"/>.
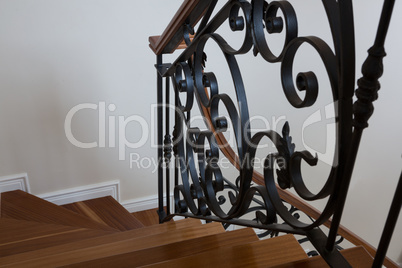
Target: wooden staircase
<point x="101" y="233"/>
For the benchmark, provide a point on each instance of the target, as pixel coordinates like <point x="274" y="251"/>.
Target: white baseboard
<point x="14" y="182"/>
<point x="71" y="195"/>
<point x="66" y="196"/>
<point x="145" y="203"/>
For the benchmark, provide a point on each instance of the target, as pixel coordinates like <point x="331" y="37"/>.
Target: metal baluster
<point x="363" y="108"/>
<point x="389" y="226"/>
<point x="167" y="149"/>
<point x="161" y="211"/>
<point x="175" y="141"/>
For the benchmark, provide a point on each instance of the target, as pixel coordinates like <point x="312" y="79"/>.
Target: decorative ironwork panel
<point x="199" y="180"/>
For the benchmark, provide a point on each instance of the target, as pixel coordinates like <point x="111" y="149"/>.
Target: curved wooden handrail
<point x="190" y="12"/>
<point x="171" y="40"/>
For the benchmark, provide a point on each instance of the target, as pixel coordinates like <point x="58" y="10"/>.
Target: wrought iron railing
<point x="197" y="176"/>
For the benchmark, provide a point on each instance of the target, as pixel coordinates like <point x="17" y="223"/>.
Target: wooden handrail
<point x="153" y="40"/>
<point x="171" y="40"/>
<point x="190" y="12"/>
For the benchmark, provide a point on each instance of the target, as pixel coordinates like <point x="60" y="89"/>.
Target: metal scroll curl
<point x="183" y="82"/>
<point x="208" y="177"/>
<point x="307" y="81"/>
<point x="265" y="17"/>
<point x="203" y="182"/>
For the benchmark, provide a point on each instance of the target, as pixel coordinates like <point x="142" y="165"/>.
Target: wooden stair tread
<point x="146" y="231"/>
<point x="174" y="250"/>
<point x="358" y="257"/>
<point x="12" y="230"/>
<point x="106" y="210"/>
<point x="23" y="206"/>
<point x="264" y="253"/>
<point x="22" y="236"/>
<point x="99" y="247"/>
<point x="147" y="217"/>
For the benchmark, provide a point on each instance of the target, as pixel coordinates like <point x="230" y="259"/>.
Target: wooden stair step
<point x="358" y="257"/>
<point x="171" y="225"/>
<point x="136" y="233"/>
<point x="101" y="247"/>
<point x="174" y="250"/>
<point x="18" y="236"/>
<point x="20" y="205"/>
<point x="106" y="210"/>
<point x="12" y="230"/>
<point x="147" y="217"/>
<point x="264" y="253"/>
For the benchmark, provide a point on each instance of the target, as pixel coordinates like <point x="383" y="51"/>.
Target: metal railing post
<point x="161" y="211"/>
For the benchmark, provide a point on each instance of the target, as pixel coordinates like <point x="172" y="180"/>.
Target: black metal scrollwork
<point x="200" y="192"/>
<point x="265" y="16"/>
<point x="204" y="180"/>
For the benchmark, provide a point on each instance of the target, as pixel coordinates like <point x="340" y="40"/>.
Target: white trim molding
<point x="15" y="182"/>
<point x="86" y="192"/>
<point x="144" y="203"/>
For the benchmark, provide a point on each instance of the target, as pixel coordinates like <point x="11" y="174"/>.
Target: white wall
<point x="58" y="54"/>
<point x="55" y="55"/>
